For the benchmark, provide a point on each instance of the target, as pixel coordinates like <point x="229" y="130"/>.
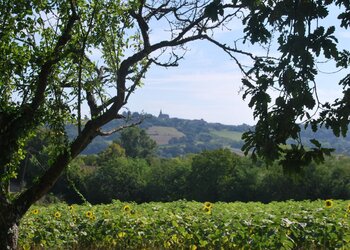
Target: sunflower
<point x="127" y="208"/>
<point x="207" y="210"/>
<point x="121" y="234"/>
<point x="57" y="215"/>
<point x="106" y="213"/>
<point x="71" y="208"/>
<point x="193" y="247"/>
<point x="208" y="204"/>
<point x="348" y="210"/>
<point x="89" y="214"/>
<point x="329" y="203"/>
<point x="35" y="211"/>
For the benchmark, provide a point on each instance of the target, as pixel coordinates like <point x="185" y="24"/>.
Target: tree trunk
<point x="8" y="230"/>
<point x="9" y="237"/>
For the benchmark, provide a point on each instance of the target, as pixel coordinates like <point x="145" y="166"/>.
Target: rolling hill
<point x="162" y="135"/>
<point x="175" y="136"/>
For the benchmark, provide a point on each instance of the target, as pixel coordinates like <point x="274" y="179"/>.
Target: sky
<point x="206" y="84"/>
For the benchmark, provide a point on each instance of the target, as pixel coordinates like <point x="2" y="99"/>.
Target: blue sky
<point x="206" y="84"/>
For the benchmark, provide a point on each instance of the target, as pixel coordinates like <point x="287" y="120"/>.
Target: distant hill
<point x="162" y="135"/>
<point x="176" y="136"/>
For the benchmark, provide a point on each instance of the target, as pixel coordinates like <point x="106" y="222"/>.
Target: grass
<point x="232" y="135"/>
<point x="162" y="135"/>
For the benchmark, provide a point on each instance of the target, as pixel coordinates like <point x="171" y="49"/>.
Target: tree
<point x="137" y="143"/>
<point x="168" y="179"/>
<point x="114" y="150"/>
<point x="302" y="42"/>
<point x="209" y="170"/>
<point x="50" y="71"/>
<point x="119" y="178"/>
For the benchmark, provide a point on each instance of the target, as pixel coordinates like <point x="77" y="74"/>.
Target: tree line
<point x="217" y="175"/>
<point x="128" y="170"/>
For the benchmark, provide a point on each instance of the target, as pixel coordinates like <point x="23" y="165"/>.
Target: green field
<point x="188" y="225"/>
<point x="232" y="135"/>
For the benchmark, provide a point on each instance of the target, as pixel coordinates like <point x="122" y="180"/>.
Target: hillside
<point x="175" y="136"/>
<point x="162" y="135"/>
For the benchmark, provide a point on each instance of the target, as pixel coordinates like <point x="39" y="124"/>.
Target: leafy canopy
<point x="281" y="83"/>
<point x="78" y="62"/>
<point x="137" y="143"/>
<point x="50" y="70"/>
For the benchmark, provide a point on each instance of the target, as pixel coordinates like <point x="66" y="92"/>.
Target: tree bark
<point x="9" y="236"/>
<point x="9" y="221"/>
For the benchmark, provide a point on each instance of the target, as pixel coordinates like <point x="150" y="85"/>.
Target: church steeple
<point x="163" y="116"/>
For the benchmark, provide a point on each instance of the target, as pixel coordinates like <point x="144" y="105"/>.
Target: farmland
<point x="189" y="225"/>
<point x="162" y="135"/>
<point x="178" y="137"/>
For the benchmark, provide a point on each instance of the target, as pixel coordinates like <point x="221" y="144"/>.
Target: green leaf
<point x="316" y="143"/>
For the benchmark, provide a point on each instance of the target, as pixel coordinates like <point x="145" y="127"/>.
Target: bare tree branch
<point x="112" y="131"/>
<point x="81" y="57"/>
<point x="143" y="27"/>
<point x="137" y="79"/>
<point x="161" y="9"/>
<point x="170" y="63"/>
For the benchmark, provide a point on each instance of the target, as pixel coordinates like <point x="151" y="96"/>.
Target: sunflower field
<point x="188" y="225"/>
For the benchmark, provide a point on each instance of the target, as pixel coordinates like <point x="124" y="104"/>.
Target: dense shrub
<point x="217" y="175"/>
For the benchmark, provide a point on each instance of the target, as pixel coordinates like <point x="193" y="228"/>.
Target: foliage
<point x="200" y="135"/>
<point x="188" y="136"/>
<point x="278" y="225"/>
<point x="120" y="178"/>
<point x="301" y="41"/>
<point x="137" y="143"/>
<point x="281" y="82"/>
<point x="78" y="62"/>
<point x="49" y="73"/>
<point x="209" y="169"/>
<point x="114" y="150"/>
<point x="168" y="179"/>
<point x="217" y="175"/>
